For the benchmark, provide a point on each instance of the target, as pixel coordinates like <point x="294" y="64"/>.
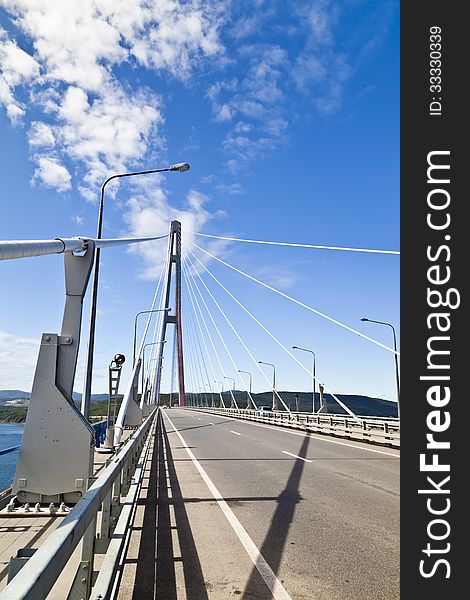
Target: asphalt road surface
<point x="257" y="512"/>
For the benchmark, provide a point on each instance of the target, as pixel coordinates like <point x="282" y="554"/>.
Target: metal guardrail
<point x="106" y="581"/>
<point x="105" y="496"/>
<point x="366" y="429"/>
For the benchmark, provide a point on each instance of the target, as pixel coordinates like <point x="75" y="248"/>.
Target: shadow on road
<point x="193" y="576"/>
<point x="200" y="426"/>
<point x="276" y="537"/>
<point x="145" y="579"/>
<point x="155" y="574"/>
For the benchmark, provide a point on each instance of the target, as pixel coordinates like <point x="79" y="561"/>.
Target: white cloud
<point x="181" y="36"/>
<point x="258" y="106"/>
<point x="97" y="121"/>
<point x="279" y="277"/>
<point x="321" y="18"/>
<point x="242" y="127"/>
<point x="258" y="98"/>
<point x="41" y="134"/>
<point x="18" y="357"/>
<point x="78" y="220"/>
<point x="233" y="189"/>
<point x="259" y="91"/>
<point x="321" y="69"/>
<point x="52" y="174"/>
<point x="106" y="133"/>
<point x="79" y="42"/>
<point x="150" y="213"/>
<point x="17" y="68"/>
<point x="223" y="113"/>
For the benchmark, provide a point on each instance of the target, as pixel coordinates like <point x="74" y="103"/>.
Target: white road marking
<point x="235" y="432"/>
<point x="296" y="456"/>
<point x="313" y="436"/>
<point x="211" y="423"/>
<point x="275" y="586"/>
<point x="199" y="419"/>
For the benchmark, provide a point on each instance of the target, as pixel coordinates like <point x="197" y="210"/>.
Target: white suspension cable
<point x="317" y="312"/>
<point x="233" y="329"/>
<point x="192" y="369"/>
<point x="121" y="418"/>
<point x="201" y="356"/>
<point x="203" y="338"/>
<point x="200" y="329"/>
<point x="157" y="320"/>
<point x="232" y="239"/>
<point x="228" y="351"/>
<point x="348" y="410"/>
<point x="184" y="270"/>
<point x="191" y="279"/>
<point x="197" y="356"/>
<point x="255" y="362"/>
<point x="223" y="342"/>
<point x="189" y="354"/>
<point x="236" y="333"/>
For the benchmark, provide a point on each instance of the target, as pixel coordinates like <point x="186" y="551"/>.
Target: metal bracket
<point x="19" y="561"/>
<point x="56" y="455"/>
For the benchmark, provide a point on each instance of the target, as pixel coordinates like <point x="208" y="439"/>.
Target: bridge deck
<point x="18" y="532"/>
<point x="322" y="513"/>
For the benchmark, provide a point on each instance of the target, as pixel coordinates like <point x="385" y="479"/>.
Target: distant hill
<point x="14" y="394"/>
<point x="360" y="405"/>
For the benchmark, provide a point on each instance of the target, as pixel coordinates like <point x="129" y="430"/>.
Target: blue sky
<point x="289" y="117"/>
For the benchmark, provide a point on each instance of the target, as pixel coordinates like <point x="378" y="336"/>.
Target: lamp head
<point x="364" y="319"/>
<point x="119" y="359"/>
<point x="181" y="167"/>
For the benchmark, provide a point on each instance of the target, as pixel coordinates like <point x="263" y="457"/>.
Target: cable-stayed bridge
<point x="200" y="492"/>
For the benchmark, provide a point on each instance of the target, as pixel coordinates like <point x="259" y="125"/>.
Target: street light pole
<point x="221" y="391"/>
<point x="397" y="372"/>
<point x="208" y="387"/>
<point x="275" y="406"/>
<point x="143" y="312"/>
<point x="233" y="389"/>
<point x="143" y="358"/>
<point x="250" y="398"/>
<point x="313" y="372"/>
<point x="86" y="396"/>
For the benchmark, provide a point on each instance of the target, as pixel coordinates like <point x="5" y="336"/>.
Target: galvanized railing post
<point x="102" y="542"/>
<point x="81" y="586"/>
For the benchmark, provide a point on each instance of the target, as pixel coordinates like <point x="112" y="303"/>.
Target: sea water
<point x="10" y="435"/>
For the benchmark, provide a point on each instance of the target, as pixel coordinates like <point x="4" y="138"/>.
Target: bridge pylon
<point x="173" y="273"/>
